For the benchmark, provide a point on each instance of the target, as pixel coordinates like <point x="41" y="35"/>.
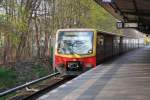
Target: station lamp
<point x="107" y="1"/>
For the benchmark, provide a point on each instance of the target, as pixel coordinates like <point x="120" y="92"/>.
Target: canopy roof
<point x="131" y="11"/>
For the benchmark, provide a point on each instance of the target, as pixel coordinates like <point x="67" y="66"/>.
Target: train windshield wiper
<point x="77" y="47"/>
<point x="72" y="46"/>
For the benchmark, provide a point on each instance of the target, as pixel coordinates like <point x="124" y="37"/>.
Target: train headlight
<point x="90" y="51"/>
<point x="58" y="50"/>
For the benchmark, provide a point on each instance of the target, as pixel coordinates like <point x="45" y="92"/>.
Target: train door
<point x="116" y="41"/>
<point x="121" y="45"/>
<point x="100" y="54"/>
<point x="108" y="45"/>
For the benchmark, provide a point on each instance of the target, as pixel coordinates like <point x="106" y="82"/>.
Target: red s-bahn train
<point x="77" y="50"/>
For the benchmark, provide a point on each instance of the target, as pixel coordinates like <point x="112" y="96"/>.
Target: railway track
<point x="34" y="91"/>
<point x="35" y="88"/>
<point x="53" y="84"/>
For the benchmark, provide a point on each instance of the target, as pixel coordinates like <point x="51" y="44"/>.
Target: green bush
<point x="7" y="78"/>
<point x="39" y="71"/>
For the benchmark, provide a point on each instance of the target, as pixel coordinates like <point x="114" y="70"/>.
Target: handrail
<point x="27" y="84"/>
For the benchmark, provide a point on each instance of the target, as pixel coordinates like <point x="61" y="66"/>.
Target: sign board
<point x="126" y="25"/>
<point x="130" y="25"/>
<point x="120" y="24"/>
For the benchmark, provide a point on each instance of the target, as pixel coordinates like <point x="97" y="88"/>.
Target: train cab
<point x="75" y="50"/>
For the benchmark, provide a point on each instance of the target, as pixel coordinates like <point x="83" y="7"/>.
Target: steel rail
<point x="27" y="84"/>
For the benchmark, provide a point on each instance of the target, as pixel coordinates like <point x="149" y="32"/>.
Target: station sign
<point x="126" y="25"/>
<point x="119" y="24"/>
<point x="130" y="25"/>
<point x="140" y="27"/>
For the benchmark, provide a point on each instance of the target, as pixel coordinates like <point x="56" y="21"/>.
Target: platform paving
<point x="125" y="78"/>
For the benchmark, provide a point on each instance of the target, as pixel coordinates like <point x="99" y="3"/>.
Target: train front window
<point x="75" y="42"/>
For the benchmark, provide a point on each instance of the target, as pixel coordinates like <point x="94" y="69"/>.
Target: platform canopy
<point x="129" y="11"/>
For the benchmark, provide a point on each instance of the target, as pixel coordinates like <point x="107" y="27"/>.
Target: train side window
<point x="118" y="40"/>
<point x="100" y="40"/>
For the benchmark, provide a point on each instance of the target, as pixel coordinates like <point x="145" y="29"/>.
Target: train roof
<point x="88" y="29"/>
<point x="77" y="29"/>
<point x="91" y="29"/>
<point x="109" y="33"/>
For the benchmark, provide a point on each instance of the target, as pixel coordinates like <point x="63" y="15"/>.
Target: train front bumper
<point x="73" y="68"/>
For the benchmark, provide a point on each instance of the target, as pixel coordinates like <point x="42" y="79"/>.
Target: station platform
<point x="125" y="78"/>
